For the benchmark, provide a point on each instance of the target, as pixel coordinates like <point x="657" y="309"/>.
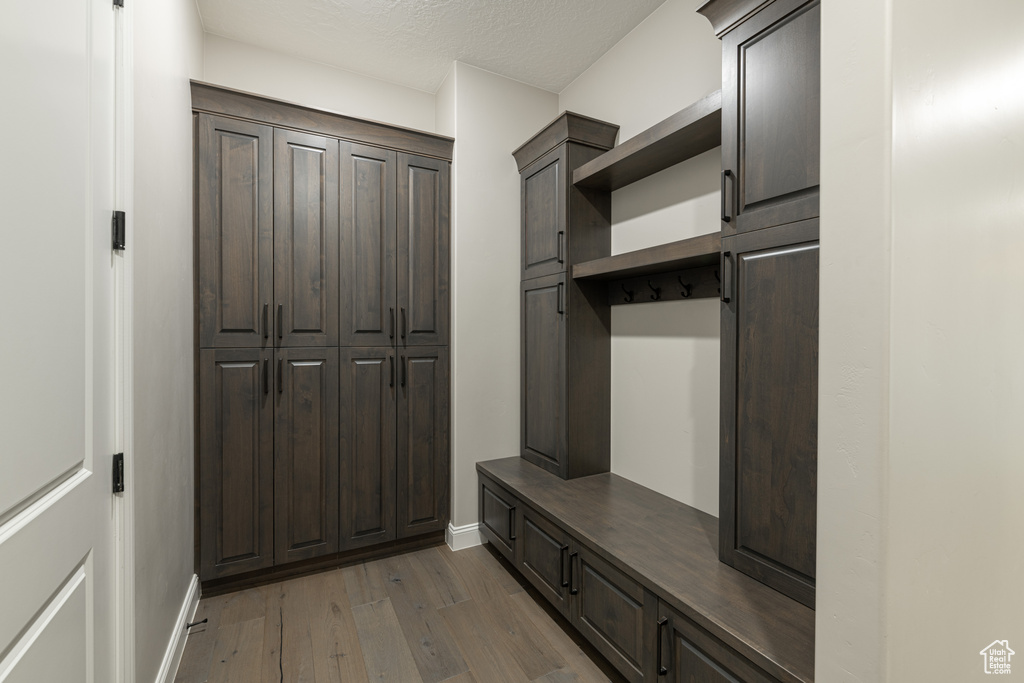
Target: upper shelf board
<point x="694" y="252"/>
<point x="684" y="135"/>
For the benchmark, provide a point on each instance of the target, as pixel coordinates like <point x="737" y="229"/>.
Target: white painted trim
<point x="172" y="657"/>
<point x="462" y="537"/>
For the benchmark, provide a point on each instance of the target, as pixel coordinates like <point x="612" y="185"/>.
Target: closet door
<point x="305" y="239"/>
<point x="306" y="454"/>
<point x="369" y="386"/>
<point x="235" y="198"/>
<point x="423" y="250"/>
<point x="544" y="416"/>
<point x="422" y="440"/>
<point x="236" y="461"/>
<point x="368" y="246"/>
<point x="770" y="117"/>
<point x="543" y="214"/>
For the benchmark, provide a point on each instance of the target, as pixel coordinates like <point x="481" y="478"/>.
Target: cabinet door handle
<point x="662" y="669"/>
<point x="266" y="376"/>
<point x="391" y="362"/>
<point x="726" y="217"/>
<point x="280" y="376"/>
<point x="405" y="323"/>
<point x="726" y="276"/>
<point x="573" y="588"/>
<point x="405" y="369"/>
<point x="561" y="242"/>
<point x="391" y="334"/>
<point x="561" y="302"/>
<point x="266" y="324"/>
<point x="561" y="566"/>
<point x="280" y="321"/>
<point x="512" y="523"/>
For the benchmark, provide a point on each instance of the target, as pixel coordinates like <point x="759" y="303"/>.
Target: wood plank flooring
<point x="428" y="616"/>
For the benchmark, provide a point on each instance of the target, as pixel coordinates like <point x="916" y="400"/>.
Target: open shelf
<point x="694" y="252"/>
<point x="685" y="134"/>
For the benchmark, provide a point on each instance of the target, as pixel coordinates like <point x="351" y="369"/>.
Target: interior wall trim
<point x="176" y="646"/>
<point x="462" y="537"/>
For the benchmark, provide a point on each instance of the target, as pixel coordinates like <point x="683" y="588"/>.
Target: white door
<point x="58" y="419"/>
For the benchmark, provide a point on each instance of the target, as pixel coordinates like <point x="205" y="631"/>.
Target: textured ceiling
<point x="546" y="43"/>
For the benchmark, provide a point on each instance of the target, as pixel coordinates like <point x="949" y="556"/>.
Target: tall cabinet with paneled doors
<point x="322" y="315"/>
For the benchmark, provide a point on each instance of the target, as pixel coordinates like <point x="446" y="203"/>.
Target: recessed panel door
<point x="543" y="187"/>
<point x="544" y="423"/>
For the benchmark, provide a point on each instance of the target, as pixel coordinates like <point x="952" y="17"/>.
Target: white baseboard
<point x="462" y="537"/>
<point x="172" y="658"/>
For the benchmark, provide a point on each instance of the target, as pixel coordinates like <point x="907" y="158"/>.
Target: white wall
<point x="920" y="473"/>
<point x="492" y="116"/>
<point x="168" y="47"/>
<point x="254" y="69"/>
<point x="665" y="356"/>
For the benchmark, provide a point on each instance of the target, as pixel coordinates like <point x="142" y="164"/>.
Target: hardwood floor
<point x="432" y="615"/>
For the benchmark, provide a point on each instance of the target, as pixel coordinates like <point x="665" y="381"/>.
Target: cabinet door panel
<point x="235" y="232"/>
<point x="498" y="517"/>
<point x="369" y="385"/>
<point x="544" y="434"/>
<point x="692" y="655"/>
<point x="423" y="250"/>
<point x="770" y="418"/>
<point x="423" y="452"/>
<point x="305" y="239"/>
<point x="236" y="462"/>
<point x="306" y="454"/>
<point x="543" y="557"/>
<point x="608" y="608"/>
<point x="543" y="214"/>
<point x="770" y="116"/>
<point x="368" y="246"/>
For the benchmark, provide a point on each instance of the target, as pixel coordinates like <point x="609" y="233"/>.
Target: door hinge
<point x="118" y="472"/>
<point x="118" y="3"/>
<point x="118" y="229"/>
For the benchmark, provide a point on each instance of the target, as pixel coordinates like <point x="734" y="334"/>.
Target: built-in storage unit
<point x="322" y="316"/>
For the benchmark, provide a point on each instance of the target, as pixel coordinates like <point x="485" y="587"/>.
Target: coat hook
<point x="629" y="294"/>
<point x="687" y="289"/>
<point x="657" y="291"/>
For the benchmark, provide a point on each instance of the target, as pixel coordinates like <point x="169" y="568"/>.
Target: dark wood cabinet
<point x="236" y="472"/>
<point x="306" y="454"/>
<point x="770" y="117"/>
<point x="543" y="189"/>
<point x="543" y="391"/>
<point x="234" y="232"/>
<point x="369" y="244"/>
<point x="423" y="250"/>
<point x="368" y="440"/>
<point x="769" y="414"/>
<point x="423" y="440"/>
<point x="544" y="556"/>
<point x="498" y="510"/>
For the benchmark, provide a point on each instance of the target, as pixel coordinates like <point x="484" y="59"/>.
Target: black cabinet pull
<point x="512" y="523"/>
<point x="573" y="588"/>
<point x="726" y="217"/>
<point x="391" y="334"/>
<point x="561" y="241"/>
<point x="404" y="322"/>
<point x="405" y="369"/>
<point x="266" y="376"/>
<point x="280" y="321"/>
<point x="391" y="362"/>
<point x="561" y="303"/>
<point x="662" y="670"/>
<point x="280" y="376"/>
<point x="561" y="566"/>
<point x="266" y="324"/>
<point x="726" y="276"/>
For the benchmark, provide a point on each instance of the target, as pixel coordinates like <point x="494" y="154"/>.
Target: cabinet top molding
<point x="567" y="126"/>
<point x="214" y="99"/>
<point x="725" y="15"/>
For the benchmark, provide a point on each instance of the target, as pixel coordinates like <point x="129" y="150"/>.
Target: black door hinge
<point x="117" y="227"/>
<point x="118" y="472"/>
<point x="118" y="3"/>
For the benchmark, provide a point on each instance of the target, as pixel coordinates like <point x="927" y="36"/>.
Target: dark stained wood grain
<point x="724" y="15"/>
<point x="498" y="510"/>
<point x="306" y="455"/>
<point x="567" y="127"/>
<point x="687" y="133"/>
<point x="424" y="251"/>
<point x="703" y="250"/>
<point x="369" y="386"/>
<point x="543" y="191"/>
<point x="544" y="423"/>
<point x="369" y="245"/>
<point x="423" y="451"/>
<point x="672" y="549"/>
<point x="236" y="475"/>
<point x="543" y="555"/>
<point x="234" y="232"/>
<point x="227" y="102"/>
